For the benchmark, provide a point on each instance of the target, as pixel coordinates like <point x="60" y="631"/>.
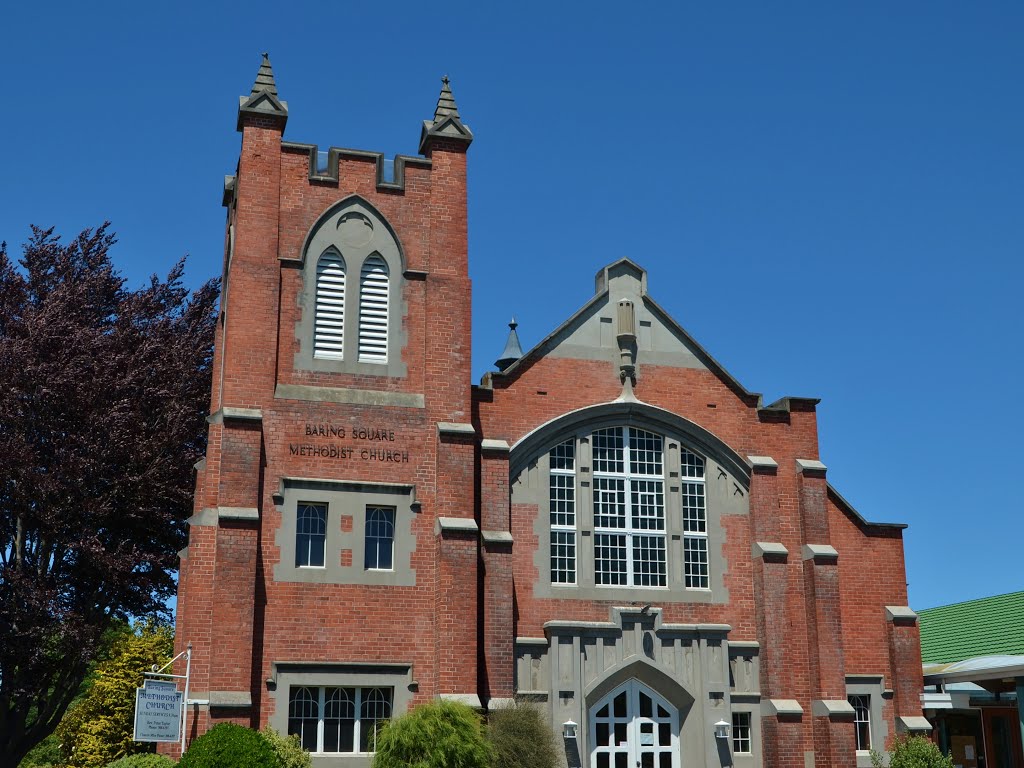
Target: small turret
<point x="263" y="100"/>
<point x="512" y="351"/>
<point x="446" y="123"/>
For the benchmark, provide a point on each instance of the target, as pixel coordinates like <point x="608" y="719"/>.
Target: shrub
<point x="229" y="746"/>
<point x="143" y="761"/>
<point x="288" y="749"/>
<point x="913" y="752"/>
<point x="520" y="738"/>
<point x="442" y="734"/>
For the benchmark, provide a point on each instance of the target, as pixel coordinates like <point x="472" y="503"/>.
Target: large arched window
<point x="631" y="506"/>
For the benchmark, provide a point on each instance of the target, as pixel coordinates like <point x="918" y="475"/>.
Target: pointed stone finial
<point x="447" y="124"/>
<point x="446" y="106"/>
<point x="512" y="351"/>
<point x="262" y="101"/>
<point x="265" y="78"/>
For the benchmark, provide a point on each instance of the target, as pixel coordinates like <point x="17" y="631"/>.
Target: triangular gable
<point x="590" y="334"/>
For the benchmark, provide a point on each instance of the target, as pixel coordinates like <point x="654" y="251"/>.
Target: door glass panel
<point x="603" y="711"/>
<point x="620" y="705"/>
<point x="664" y="734"/>
<point x="646" y="706"/>
<point x="602" y="760"/>
<point x="602" y="734"/>
<point x="666" y="760"/>
<point x="662" y="712"/>
<point x="621" y="760"/>
<point x="620" y="733"/>
<point x="647" y="760"/>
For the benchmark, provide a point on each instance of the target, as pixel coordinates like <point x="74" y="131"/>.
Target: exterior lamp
<point x="569" y="729"/>
<point x="721" y="730"/>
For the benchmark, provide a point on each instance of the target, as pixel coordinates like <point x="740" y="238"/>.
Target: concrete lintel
<point x="715" y="629"/>
<point x="183" y="554"/>
<point x="200" y="465"/>
<point x="810" y="465"/>
<point x="455" y="429"/>
<point x="914" y="723"/>
<point x="763" y="462"/>
<point x="498" y="446"/>
<point x="238" y="513"/>
<point x="580" y="627"/>
<point x="838" y="709"/>
<point x="499" y="703"/>
<point x="820" y="553"/>
<point x="496" y="537"/>
<point x="207" y="516"/>
<point x="902" y="614"/>
<point x="532" y="641"/>
<point x="348" y="396"/>
<point x="745" y="645"/>
<point x="227" y="413"/>
<point x="770" y="550"/>
<point x="790" y="707"/>
<point x="469" y="699"/>
<point x="456" y="525"/>
<point x="231" y="699"/>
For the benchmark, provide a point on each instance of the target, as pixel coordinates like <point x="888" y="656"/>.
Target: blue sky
<point x="828" y="196"/>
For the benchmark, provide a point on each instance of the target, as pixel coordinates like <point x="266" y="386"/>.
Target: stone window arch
<point x="351" y="304"/>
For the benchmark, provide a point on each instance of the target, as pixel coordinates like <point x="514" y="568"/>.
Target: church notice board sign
<point x="158" y="712"/>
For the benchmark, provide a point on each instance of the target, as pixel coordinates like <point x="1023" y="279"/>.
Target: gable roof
<point x="983" y="627"/>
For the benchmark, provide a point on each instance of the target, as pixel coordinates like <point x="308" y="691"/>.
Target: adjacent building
<point x="610" y="525"/>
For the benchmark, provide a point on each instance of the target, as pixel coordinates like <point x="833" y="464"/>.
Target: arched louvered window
<point x="329" y="331"/>
<point x="373" y="311"/>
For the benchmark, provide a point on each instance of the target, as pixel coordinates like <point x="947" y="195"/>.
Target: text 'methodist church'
<point x="610" y="526"/>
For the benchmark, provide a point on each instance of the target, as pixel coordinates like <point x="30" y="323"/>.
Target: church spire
<point x="512" y="351"/>
<point x="447" y="124"/>
<point x="262" y="101"/>
<point x="446" y="106"/>
<point x="265" y="78"/>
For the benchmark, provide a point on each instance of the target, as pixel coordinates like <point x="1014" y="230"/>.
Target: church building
<point x="609" y="526"/>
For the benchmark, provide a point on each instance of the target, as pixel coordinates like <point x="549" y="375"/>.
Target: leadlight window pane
<point x="339" y="719"/>
<point x="608" y="450"/>
<point x="741" y="741"/>
<point x="380" y="538"/>
<point x="861" y="720"/>
<point x="694" y="513"/>
<point x="695" y="562"/>
<point x="563" y="456"/>
<point x="692" y="465"/>
<point x="563" y="557"/>
<point x="648" y="503"/>
<point x="610" y="558"/>
<point x="376" y="706"/>
<point x="649" y="566"/>
<point x="563" y="499"/>
<point x="310" y="535"/>
<point x="304" y="716"/>
<point x="609" y="502"/>
<point x="645" y="453"/>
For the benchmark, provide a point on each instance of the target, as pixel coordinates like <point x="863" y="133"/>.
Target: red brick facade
<point x="795" y="611"/>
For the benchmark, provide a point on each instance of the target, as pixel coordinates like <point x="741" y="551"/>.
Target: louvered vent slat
<point x="329" y="335"/>
<point x="373" y="311"/>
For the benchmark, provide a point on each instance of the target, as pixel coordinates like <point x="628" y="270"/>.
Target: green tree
<point x="98" y="729"/>
<point x="442" y="734"/>
<point x="912" y="752"/>
<point x="104" y="392"/>
<point x="521" y="738"/>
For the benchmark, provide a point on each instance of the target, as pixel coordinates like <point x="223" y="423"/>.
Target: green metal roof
<point x="985" y="627"/>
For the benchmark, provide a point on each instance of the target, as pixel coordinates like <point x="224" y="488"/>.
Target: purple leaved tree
<point x="103" y="394"/>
